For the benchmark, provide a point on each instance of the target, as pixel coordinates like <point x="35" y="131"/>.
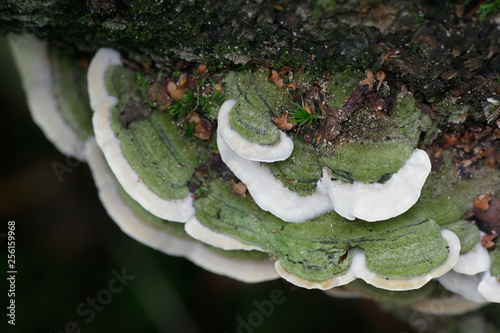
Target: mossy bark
<point x="437" y="48"/>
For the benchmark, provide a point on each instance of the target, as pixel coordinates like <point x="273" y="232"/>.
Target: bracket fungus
<point x="144" y="159"/>
<point x="56" y="94"/>
<point x="363" y="165"/>
<point x="170" y="237"/>
<point x="381" y="177"/>
<point x="366" y="201"/>
<point x="246" y="124"/>
<point x="269" y="193"/>
<point x="254" y="151"/>
<point x="376" y="201"/>
<point x="360" y="269"/>
<point x="471" y="276"/>
<point x="302" y="259"/>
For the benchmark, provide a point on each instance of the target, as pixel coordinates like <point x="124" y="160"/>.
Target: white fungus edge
<point x="373" y="202"/>
<point x="250" y="150"/>
<point x="250" y="271"/>
<point x="475" y="261"/>
<point x="198" y="231"/>
<point x="463" y="285"/>
<point x="179" y="210"/>
<point x="96" y="75"/>
<point x="474" y="269"/>
<point x="32" y="61"/>
<point x="269" y="193"/>
<point x="489" y="287"/>
<point x="358" y="269"/>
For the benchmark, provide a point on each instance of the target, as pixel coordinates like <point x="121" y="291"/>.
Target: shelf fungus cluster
<point x="261" y="174"/>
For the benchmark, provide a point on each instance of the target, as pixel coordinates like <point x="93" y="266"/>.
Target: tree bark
<point x="437" y="49"/>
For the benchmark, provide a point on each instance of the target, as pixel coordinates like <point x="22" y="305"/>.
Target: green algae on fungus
<point x="399" y="253"/>
<point x="153" y="146"/>
<point x="372" y="145"/>
<point x="257" y="104"/>
<point x="467" y="233"/>
<point x="150" y="160"/>
<point x="367" y="161"/>
<point x="301" y="171"/>
<point x="70" y="90"/>
<point x="315" y="251"/>
<point x="170" y="237"/>
<point x="251" y="119"/>
<point x="247" y="149"/>
<point x="245" y="119"/>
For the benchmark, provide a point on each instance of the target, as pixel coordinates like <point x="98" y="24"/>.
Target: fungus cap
<point x="474" y="261"/>
<point x="33" y="62"/>
<point x="179" y="210"/>
<point x="133" y="225"/>
<point x="198" y="231"/>
<point x="375" y="201"/>
<point x="358" y="269"/>
<point x="269" y="193"/>
<point x="247" y="149"/>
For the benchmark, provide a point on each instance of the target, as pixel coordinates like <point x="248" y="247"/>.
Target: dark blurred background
<point x="67" y="248"/>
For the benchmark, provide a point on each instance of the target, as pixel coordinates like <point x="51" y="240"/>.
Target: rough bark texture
<point x="436" y="48"/>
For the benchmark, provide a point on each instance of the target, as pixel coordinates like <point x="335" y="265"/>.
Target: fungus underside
<point x="70" y="91"/>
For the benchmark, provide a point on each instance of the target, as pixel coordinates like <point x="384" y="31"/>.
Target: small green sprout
<point x="496" y="113"/>
<point x="417" y="17"/>
<point x="142" y="82"/>
<point x="181" y="107"/>
<point x="302" y="117"/>
<point x="491" y="7"/>
<point x="188" y="129"/>
<point x="201" y="192"/>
